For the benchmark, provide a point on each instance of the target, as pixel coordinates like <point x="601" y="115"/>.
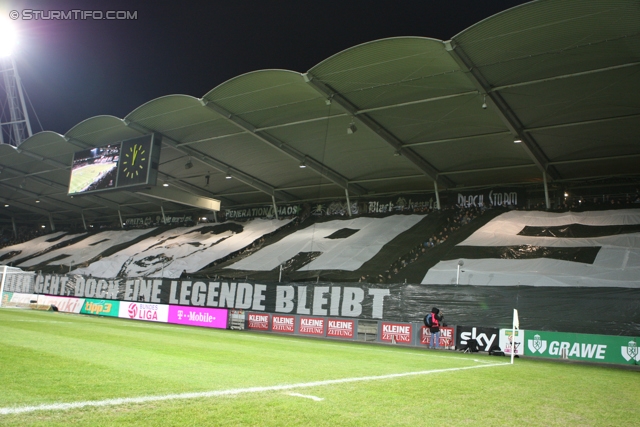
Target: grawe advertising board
<point x="485" y="337"/>
<point x="507" y="341"/>
<point x="194" y="316"/>
<point x="144" y="311"/>
<point x="341" y="328"/>
<point x="447" y="335"/>
<point x="259" y="321"/>
<point x="283" y="323"/>
<point x="400" y="333"/>
<point x="101" y="307"/>
<point x="592" y="348"/>
<point x="311" y="326"/>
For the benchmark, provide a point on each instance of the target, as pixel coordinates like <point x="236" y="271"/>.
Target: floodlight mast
<point x="15" y="126"/>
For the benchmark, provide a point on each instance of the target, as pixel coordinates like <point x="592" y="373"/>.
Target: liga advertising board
<point x="144" y="311"/>
<point x="101" y="307"/>
<point x="446" y="341"/>
<point x="197" y="316"/>
<point x="586" y="347"/>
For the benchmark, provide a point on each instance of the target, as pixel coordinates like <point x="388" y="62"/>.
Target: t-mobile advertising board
<point x="194" y="316"/>
<point x="399" y="333"/>
<point x="144" y="311"/>
<point x="446" y="337"/>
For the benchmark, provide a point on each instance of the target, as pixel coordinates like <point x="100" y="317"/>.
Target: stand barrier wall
<point x="552" y="345"/>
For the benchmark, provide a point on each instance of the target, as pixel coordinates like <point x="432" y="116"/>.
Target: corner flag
<point x="516" y="327"/>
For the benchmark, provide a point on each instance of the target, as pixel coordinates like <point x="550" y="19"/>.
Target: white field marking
<point x="366" y="348"/>
<point x="40" y="321"/>
<point x="150" y="325"/>
<point x="230" y="392"/>
<point x="306" y="396"/>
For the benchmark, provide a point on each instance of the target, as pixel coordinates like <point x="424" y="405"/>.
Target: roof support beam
<point x="565" y="76"/>
<point x="504" y="111"/>
<point x="285" y="148"/>
<point x="583" y="122"/>
<point x="214" y="163"/>
<point x="367" y="110"/>
<point x="460" y="138"/>
<point x="498" y="168"/>
<point x="330" y="93"/>
<point x="594" y="159"/>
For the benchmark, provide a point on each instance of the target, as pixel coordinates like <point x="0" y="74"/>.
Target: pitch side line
<point x="230" y="392"/>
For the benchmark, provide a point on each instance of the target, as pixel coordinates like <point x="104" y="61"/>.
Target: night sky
<point x="76" y="69"/>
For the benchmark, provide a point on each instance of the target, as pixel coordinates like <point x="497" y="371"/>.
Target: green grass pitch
<point x="52" y="358"/>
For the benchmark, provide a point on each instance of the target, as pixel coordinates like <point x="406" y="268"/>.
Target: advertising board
<point x="144" y="311"/>
<point x="400" y="333"/>
<point x="585" y="347"/>
<point x="194" y="316"/>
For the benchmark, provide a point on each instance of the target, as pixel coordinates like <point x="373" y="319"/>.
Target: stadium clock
<point x="135" y="161"/>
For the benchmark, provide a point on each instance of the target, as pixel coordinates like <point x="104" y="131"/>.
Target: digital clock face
<point x="135" y="160"/>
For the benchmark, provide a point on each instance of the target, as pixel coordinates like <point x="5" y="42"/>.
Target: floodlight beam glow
<point x="8" y="37"/>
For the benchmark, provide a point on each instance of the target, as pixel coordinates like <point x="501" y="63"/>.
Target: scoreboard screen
<point x="123" y="165"/>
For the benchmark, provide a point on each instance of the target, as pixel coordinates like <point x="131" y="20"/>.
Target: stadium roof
<point x="392" y="115"/>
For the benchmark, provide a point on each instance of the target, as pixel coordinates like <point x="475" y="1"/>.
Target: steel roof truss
<point x="311" y="163"/>
<point x="504" y="111"/>
<point x="327" y="91"/>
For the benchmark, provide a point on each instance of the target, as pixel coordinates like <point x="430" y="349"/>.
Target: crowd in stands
<point x="8" y="238"/>
<point x="460" y="216"/>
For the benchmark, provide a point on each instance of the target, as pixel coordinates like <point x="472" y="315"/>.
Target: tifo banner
<point x="207" y="317"/>
<point x="491" y="197"/>
<point x="101" y="307"/>
<point x="485" y="337"/>
<point x="361" y="300"/>
<point x="262" y="212"/>
<point x="593" y="348"/>
<point x="144" y="311"/>
<point x="447" y="335"/>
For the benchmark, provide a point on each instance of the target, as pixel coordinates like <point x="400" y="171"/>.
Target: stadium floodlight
<point x="8" y="37"/>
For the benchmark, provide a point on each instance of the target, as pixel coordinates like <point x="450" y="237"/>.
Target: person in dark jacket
<point x="436" y="317"/>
